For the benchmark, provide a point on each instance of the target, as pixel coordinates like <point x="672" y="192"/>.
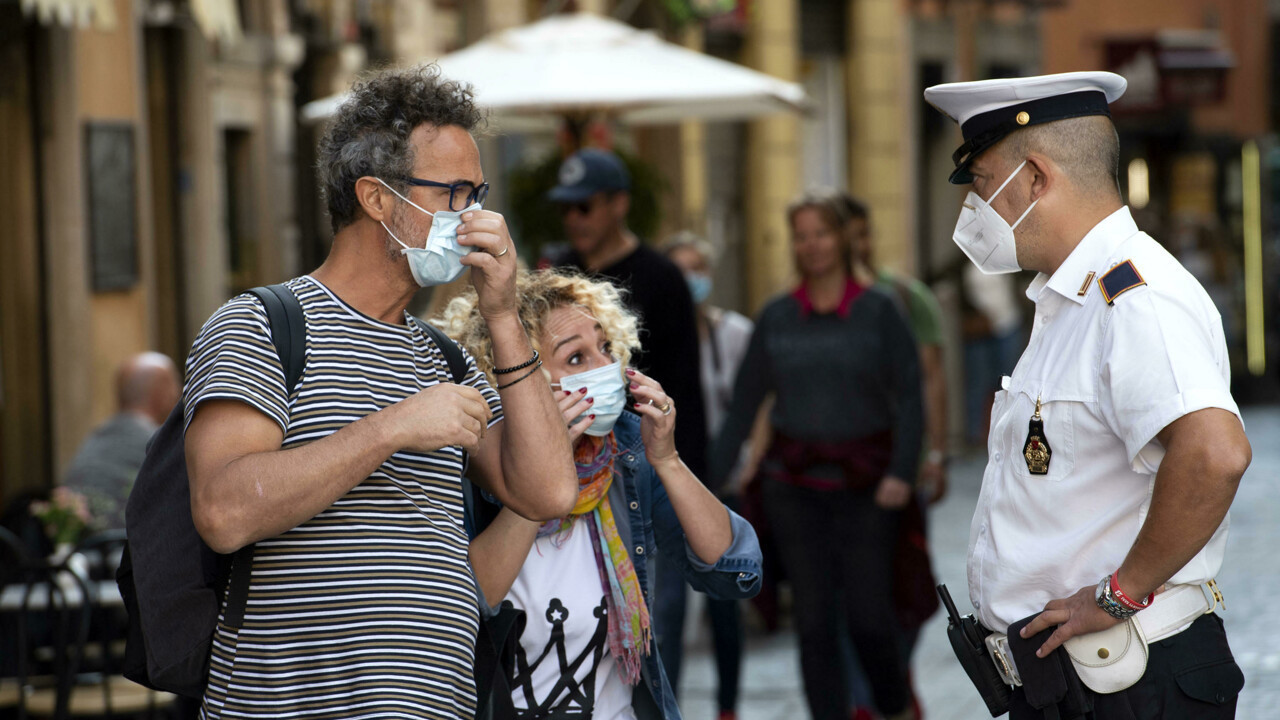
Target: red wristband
<point x="1124" y="599"/>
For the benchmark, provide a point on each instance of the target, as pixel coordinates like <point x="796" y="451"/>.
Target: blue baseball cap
<point x="588" y="172"/>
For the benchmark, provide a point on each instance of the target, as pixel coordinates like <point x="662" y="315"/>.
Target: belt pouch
<point x="1049" y="684"/>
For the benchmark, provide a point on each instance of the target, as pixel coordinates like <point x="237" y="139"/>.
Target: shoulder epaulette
<point x="1119" y="280"/>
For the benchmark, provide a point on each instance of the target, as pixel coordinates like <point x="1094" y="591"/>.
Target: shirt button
<point x="635" y="505"/>
<point x="997" y="457"/>
<point x="639" y="549"/>
<point x="630" y="458"/>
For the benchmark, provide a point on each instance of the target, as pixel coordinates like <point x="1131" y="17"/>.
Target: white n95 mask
<point x="440" y="261"/>
<point x="606" y="385"/>
<point x="985" y="236"/>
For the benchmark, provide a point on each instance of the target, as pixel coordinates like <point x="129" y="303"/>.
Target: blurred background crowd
<point x="157" y="157"/>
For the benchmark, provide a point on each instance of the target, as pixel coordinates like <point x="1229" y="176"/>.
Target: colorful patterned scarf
<point x="629" y="630"/>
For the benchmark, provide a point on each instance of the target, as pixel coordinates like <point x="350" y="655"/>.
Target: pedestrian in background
<point x="723" y="336"/>
<point x="107" y="462"/>
<point x="1115" y="447"/>
<point x="583" y="579"/>
<point x="925" y="317"/>
<point x="848" y="422"/>
<point x="993" y="337"/>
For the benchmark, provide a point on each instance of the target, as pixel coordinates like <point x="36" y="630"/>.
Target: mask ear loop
<point x="406" y="249"/>
<point x="1024" y="214"/>
<point x="1007" y="180"/>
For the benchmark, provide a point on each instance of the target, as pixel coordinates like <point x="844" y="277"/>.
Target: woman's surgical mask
<point x="607" y="387"/>
<point x="699" y="286"/>
<point x="985" y="236"/>
<point x="440" y="261"/>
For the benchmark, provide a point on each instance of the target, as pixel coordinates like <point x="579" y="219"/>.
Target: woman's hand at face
<point x="657" y="428"/>
<point x="574" y="404"/>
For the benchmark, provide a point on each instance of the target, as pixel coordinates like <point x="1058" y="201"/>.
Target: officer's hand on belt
<point x="1075" y="615"/>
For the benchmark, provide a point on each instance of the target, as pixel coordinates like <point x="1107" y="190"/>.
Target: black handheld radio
<point x="968" y="640"/>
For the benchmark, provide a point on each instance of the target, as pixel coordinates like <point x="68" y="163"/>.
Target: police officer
<point x="1115" y="447"/>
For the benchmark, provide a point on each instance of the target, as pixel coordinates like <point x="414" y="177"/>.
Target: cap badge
<point x="572" y="171"/>
<point x="1023" y="118"/>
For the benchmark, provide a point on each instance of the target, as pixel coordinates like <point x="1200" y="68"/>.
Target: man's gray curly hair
<point x="370" y="133"/>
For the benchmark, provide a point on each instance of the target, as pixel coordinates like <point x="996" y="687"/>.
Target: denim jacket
<point x="650" y="525"/>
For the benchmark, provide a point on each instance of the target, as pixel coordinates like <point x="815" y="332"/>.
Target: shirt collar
<point x="1093" y="249"/>
<point x="851" y="292"/>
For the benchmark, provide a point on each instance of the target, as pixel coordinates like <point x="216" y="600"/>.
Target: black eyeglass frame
<point x="477" y="194"/>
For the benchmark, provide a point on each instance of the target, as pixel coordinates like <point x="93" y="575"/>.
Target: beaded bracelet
<point x="535" y="369"/>
<point x="521" y="366"/>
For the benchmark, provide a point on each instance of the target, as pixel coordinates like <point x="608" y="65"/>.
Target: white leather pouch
<point x="1111" y="660"/>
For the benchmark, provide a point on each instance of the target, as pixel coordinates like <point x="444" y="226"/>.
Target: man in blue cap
<point x="594" y="195"/>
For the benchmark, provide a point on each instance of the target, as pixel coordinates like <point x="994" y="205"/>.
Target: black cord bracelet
<point x="521" y="366"/>
<point x="522" y="377"/>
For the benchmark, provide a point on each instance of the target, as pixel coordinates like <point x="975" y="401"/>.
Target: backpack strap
<point x="452" y="353"/>
<point x="288" y="329"/>
<point x="288" y="326"/>
<point x="478" y="512"/>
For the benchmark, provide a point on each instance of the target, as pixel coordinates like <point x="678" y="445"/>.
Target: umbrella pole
<point x="585" y="129"/>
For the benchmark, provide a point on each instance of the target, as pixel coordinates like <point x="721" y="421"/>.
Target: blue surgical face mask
<point x="699" y="287"/>
<point x="606" y="386"/>
<point x="440" y="261"/>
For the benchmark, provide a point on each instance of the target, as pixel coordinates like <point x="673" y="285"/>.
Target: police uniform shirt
<point x="1109" y="376"/>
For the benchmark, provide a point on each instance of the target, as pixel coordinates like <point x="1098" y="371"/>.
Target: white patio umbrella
<point x="579" y="63"/>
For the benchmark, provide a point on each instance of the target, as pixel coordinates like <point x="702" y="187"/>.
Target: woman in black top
<point x="842" y="364"/>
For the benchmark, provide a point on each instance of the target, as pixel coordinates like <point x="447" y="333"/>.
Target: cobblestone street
<point x="1250" y="581"/>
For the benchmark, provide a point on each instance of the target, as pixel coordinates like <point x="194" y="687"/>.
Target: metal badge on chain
<point x="1036" y="449"/>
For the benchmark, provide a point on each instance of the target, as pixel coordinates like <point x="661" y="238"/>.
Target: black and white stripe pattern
<point x="368" y="609"/>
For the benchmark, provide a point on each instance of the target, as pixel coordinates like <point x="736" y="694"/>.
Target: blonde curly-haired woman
<point x="584" y="580"/>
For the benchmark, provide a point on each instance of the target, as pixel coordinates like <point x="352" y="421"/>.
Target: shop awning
<point x="218" y="19"/>
<point x="100" y="14"/>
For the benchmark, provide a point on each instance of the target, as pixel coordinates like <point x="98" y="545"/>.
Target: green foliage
<point x="536" y="220"/>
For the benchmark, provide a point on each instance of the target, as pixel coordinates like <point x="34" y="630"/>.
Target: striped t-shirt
<point x="369" y="608"/>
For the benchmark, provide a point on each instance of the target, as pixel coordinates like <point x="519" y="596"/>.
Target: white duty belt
<point x="1112" y="660"/>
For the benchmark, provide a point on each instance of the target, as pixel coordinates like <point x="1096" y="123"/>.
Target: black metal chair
<point x="50" y="609"/>
<point x="98" y="689"/>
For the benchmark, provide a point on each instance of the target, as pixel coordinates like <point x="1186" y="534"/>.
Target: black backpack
<point x="171" y="582"/>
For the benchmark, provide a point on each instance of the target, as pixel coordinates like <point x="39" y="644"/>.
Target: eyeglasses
<point x="583" y="208"/>
<point x="470" y="191"/>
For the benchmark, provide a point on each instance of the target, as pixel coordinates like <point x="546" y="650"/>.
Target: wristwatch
<point x="1108" y="602"/>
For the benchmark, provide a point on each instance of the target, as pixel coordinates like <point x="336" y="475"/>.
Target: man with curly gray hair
<point x="347" y="485"/>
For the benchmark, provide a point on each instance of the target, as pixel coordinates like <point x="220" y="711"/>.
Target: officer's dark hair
<point x="369" y="136"/>
<point x="1086" y="148"/>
